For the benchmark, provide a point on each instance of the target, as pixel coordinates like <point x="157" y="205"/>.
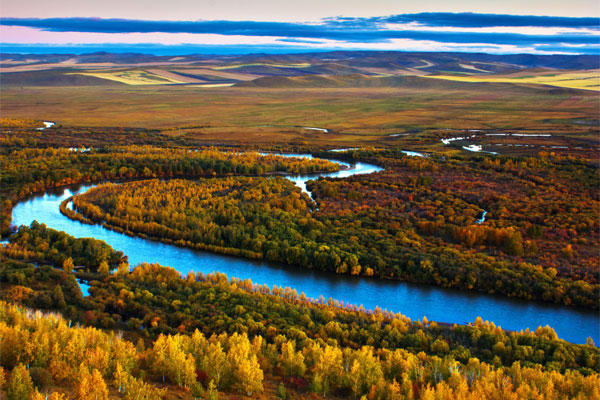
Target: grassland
<point x="356" y="110"/>
<point x="588" y="80"/>
<point x="381" y="110"/>
<point x="291" y="65"/>
<point x="134" y="77"/>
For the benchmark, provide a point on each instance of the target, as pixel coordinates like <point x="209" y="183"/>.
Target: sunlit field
<point x="133" y="77"/>
<point x="588" y="80"/>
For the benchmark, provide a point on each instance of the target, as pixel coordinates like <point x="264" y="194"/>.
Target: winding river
<point x="412" y="300"/>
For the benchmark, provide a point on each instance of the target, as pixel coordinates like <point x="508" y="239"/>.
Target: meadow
<point x="588" y="80"/>
<point x="365" y="116"/>
<point x="133" y="77"/>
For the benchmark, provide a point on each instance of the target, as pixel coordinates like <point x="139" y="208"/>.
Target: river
<point x="412" y="300"/>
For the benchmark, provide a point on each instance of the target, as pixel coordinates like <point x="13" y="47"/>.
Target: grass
<point x="353" y="116"/>
<point x="212" y="85"/>
<point x="588" y="80"/>
<point x="132" y="77"/>
<point x="299" y="65"/>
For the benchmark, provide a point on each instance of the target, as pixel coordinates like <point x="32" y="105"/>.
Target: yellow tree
<point x="124" y="353"/>
<point x="103" y="268"/>
<point x="247" y="374"/>
<point x="91" y="386"/>
<point x="123" y="269"/>
<point x="328" y="370"/>
<point x="136" y="389"/>
<point x="291" y="362"/>
<point x="171" y="361"/>
<point x="365" y="371"/>
<point x="53" y="396"/>
<point x="68" y="265"/>
<point x="216" y="364"/>
<point x="97" y="358"/>
<point x="19" y="386"/>
<point x="120" y="376"/>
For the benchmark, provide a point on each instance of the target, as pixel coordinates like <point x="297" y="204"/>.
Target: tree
<point x="68" y="265"/>
<point x="216" y="364"/>
<point x="53" y="396"/>
<point x="171" y="361"/>
<point x="212" y="393"/>
<point x="58" y="297"/>
<point x="123" y="269"/>
<point x="121" y="376"/>
<point x="91" y="386"/>
<point x="136" y="389"/>
<point x="365" y="371"/>
<point x="247" y="375"/>
<point x="20" y="386"/>
<point x="103" y="268"/>
<point x="292" y="362"/>
<point x="514" y="243"/>
<point x="328" y="370"/>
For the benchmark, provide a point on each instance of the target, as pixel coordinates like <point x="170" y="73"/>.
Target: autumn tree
<point x="292" y="362"/>
<point x="103" y="268"/>
<point x="67" y="265"/>
<point x="19" y="386"/>
<point x="91" y="386"/>
<point x="247" y="374"/>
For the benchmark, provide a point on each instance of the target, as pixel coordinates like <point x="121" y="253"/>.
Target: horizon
<point x="157" y="50"/>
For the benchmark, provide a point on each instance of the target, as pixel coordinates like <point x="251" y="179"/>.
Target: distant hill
<point x="429" y="61"/>
<point x="363" y="81"/>
<point x="52" y="78"/>
<point x="330" y="69"/>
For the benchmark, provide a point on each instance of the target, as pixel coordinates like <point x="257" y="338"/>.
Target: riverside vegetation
<point x="208" y="333"/>
<point x="416" y="221"/>
<point x="26" y="170"/>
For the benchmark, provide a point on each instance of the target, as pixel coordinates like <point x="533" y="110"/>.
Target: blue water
<point x="412" y="300"/>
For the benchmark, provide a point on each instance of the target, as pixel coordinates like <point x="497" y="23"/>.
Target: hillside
<point x="363" y="81"/>
<point x="52" y="78"/>
<point x="328" y="63"/>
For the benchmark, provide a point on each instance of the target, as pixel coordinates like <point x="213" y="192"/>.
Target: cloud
<point x="471" y="20"/>
<point x="463" y="29"/>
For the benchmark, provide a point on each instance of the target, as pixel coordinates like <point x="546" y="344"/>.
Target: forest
<point x="416" y="221"/>
<point x="26" y="171"/>
<point x="199" y="335"/>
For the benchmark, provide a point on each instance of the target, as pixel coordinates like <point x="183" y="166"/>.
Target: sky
<point x="230" y="26"/>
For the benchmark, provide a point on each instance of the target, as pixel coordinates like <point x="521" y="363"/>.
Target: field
<point x="300" y="65"/>
<point x="134" y="77"/>
<point x="411" y="117"/>
<point x="588" y="80"/>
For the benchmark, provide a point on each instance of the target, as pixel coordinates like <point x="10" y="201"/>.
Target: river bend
<point x="410" y="299"/>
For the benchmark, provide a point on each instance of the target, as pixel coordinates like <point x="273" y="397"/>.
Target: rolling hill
<point x="364" y="81"/>
<point x="52" y="78"/>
